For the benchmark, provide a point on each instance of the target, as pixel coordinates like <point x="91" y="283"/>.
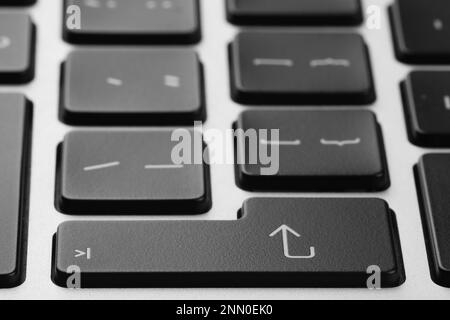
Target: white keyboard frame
<point x="227" y="197"/>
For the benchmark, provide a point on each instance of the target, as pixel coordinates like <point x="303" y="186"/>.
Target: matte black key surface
<point x="426" y="100"/>
<point x="294" y="12"/>
<point x="318" y="151"/>
<point x="17" y="48"/>
<point x="132" y="87"/>
<point x="433" y="185"/>
<point x="132" y="172"/>
<point x="421" y="30"/>
<point x="276" y="243"/>
<point x="300" y="68"/>
<point x="15" y="145"/>
<point x="141" y="22"/>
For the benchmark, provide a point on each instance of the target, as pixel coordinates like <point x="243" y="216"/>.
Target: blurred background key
<point x="140" y="22"/>
<point x="17" y="48"/>
<point x="421" y="30"/>
<point x="294" y="12"/>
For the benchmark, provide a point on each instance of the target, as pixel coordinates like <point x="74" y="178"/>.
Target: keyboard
<point x="224" y="149"/>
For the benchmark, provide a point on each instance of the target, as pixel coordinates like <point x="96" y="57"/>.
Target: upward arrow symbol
<point x="285" y="230"/>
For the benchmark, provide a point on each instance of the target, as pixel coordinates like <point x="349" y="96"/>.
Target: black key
<point x="300" y="68"/>
<point x="294" y="12"/>
<point x="17" y="2"/>
<point x="141" y="22"/>
<point x="132" y="172"/>
<point x="340" y="240"/>
<point x="421" y="30"/>
<point x="426" y="99"/>
<point x="17" y="48"/>
<point x="433" y="185"/>
<point x="318" y="151"/>
<point x="132" y="87"/>
<point x="15" y="147"/>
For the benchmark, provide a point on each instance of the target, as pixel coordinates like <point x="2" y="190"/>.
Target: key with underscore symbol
<point x="130" y="172"/>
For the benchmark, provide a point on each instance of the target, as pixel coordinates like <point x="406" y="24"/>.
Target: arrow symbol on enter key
<point x="285" y="230"/>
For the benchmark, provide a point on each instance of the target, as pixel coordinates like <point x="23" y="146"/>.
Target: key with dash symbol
<point x="102" y="166"/>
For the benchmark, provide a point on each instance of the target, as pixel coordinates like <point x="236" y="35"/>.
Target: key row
<point x="148" y="172"/>
<point x="361" y="234"/>
<point x="167" y="86"/>
<point x="419" y="30"/>
<point x="87" y="248"/>
<point x="333" y="69"/>
<point x="178" y="21"/>
<point x="17" y="59"/>
<point x="263" y="247"/>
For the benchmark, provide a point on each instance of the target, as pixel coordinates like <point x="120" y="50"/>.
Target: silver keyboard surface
<point x="48" y="132"/>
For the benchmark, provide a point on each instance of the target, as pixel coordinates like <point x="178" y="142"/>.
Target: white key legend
<point x="102" y="166"/>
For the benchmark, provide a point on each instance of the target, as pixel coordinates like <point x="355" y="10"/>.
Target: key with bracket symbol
<point x="313" y="163"/>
